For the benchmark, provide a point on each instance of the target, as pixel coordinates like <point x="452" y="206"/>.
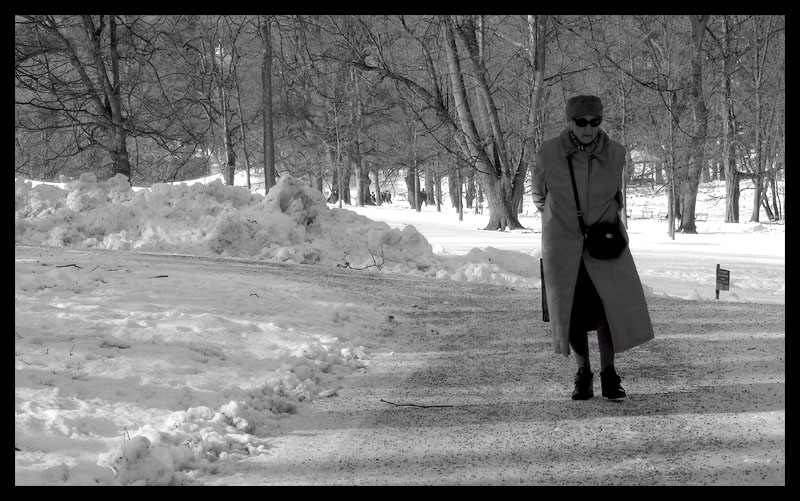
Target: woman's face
<point x="588" y="132"/>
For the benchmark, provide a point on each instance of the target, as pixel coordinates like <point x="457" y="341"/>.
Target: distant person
<point x="423" y="198"/>
<point x="334" y="196"/>
<point x="587" y="293"/>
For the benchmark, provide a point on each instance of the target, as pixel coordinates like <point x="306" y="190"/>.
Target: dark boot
<point x="610" y="383"/>
<point x="583" y="385"/>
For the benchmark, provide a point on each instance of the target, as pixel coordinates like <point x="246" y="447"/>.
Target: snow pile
<point x="292" y="224"/>
<point x="188" y="443"/>
<point x="491" y="265"/>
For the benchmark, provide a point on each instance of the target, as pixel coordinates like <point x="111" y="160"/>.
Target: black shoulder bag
<point x="603" y="240"/>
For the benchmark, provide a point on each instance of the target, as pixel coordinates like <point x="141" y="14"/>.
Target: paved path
<point x="706" y="399"/>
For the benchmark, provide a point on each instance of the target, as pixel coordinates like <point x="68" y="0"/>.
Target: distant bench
<point x="700" y="216"/>
<point x="662" y="216"/>
<point x="645" y="214"/>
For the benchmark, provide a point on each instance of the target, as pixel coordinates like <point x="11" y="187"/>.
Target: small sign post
<point x="723" y="280"/>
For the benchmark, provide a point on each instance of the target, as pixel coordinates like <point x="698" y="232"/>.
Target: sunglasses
<point x="582" y="122"/>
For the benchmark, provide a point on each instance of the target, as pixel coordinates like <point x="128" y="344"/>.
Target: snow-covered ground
<point x="123" y="377"/>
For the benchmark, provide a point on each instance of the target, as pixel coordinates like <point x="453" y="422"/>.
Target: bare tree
<point x="752" y="79"/>
<point x="92" y="50"/>
<point x="211" y="46"/>
<point x="470" y="115"/>
<point x="764" y="31"/>
<point x="732" y="176"/>
<point x="161" y="97"/>
<point x="104" y="94"/>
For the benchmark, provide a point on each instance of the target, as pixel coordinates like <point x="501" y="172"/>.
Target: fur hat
<point x="579" y="106"/>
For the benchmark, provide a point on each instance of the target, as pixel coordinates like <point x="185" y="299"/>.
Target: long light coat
<point x="598" y="177"/>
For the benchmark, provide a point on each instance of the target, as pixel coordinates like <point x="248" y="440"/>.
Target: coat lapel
<point x="601" y="151"/>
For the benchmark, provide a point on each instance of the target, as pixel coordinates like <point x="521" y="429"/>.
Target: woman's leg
<point x="609" y="378"/>
<point x="578" y="335"/>
<point x="579" y="341"/>
<point x="606" y="344"/>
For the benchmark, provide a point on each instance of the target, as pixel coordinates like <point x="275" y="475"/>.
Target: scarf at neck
<point x="581" y="146"/>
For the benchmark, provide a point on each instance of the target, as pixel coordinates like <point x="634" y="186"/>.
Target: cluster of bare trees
<point x="357" y="101"/>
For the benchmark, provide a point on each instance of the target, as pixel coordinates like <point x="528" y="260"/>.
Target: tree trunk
<point x="758" y="188"/>
<point x="122" y="164"/>
<point x="266" y="84"/>
<point x="378" y="193"/>
<point x="732" y="176"/>
<point x="331" y="155"/>
<point x="732" y="179"/>
<point x="438" y="183"/>
<point x="410" y="188"/>
<point x="673" y="211"/>
<point x="765" y="203"/>
<point x="775" y="198"/>
<point x="502" y="208"/>
<point x="316" y="182"/>
<point x="413" y="187"/>
<point x="429" y="187"/>
<point x="698" y="140"/>
<point x="470" y="192"/>
<point x="659" y="170"/>
<point x="230" y="154"/>
<point x="459" y="195"/>
<point x="345" y="182"/>
<point x="241" y="120"/>
<point x="110" y="106"/>
<point x="536" y="52"/>
<point x="362" y="176"/>
<point x="705" y="174"/>
<point x="452" y="185"/>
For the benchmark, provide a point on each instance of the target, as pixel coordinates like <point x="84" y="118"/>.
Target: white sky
<point x="132" y="360"/>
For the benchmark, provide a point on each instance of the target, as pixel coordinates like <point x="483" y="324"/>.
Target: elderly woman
<point x="586" y="293"/>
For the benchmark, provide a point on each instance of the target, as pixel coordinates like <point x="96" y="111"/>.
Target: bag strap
<point x="578" y="204"/>
<point x="575" y="194"/>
